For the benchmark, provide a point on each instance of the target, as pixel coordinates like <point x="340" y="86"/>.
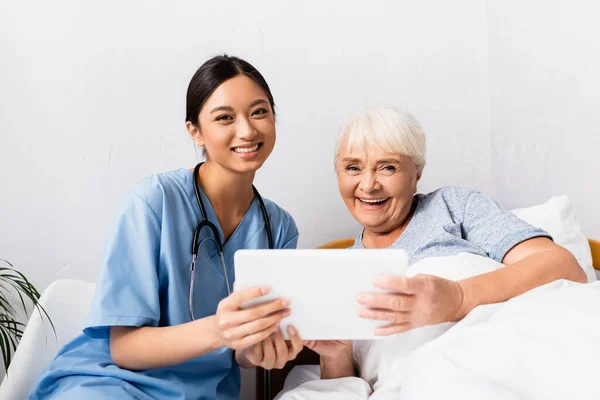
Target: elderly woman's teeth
<point x="373" y="201"/>
<point x="245" y="149"/>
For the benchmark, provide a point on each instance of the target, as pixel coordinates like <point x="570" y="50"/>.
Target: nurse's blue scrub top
<point x="145" y="280"/>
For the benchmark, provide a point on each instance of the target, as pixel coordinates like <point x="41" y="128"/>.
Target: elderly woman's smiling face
<point x="377" y="187"/>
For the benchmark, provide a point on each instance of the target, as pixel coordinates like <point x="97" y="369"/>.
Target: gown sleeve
<point x="127" y="292"/>
<point x="494" y="229"/>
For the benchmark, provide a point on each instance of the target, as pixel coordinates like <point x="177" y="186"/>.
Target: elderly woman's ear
<point x="419" y="174"/>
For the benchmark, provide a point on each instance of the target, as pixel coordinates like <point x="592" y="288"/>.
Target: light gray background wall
<point x="544" y="58"/>
<point x="92" y="99"/>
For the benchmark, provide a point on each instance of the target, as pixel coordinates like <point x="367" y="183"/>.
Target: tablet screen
<point x="322" y="286"/>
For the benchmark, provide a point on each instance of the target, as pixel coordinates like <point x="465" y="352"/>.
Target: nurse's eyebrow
<point x="257" y="102"/>
<point x="230" y="109"/>
<point x="221" y="108"/>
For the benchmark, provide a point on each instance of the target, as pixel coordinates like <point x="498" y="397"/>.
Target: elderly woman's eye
<point x="389" y="168"/>
<point x="352" y="168"/>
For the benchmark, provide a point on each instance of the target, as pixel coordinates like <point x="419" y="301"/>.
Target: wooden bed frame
<point x="269" y="383"/>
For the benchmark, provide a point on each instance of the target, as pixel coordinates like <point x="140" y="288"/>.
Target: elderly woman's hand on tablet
<point x="418" y="301"/>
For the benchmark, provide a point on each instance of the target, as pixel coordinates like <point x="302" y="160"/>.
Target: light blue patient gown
<point x="144" y="281"/>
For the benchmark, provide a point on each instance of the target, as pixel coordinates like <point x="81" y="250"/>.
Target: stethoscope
<point x="205" y="223"/>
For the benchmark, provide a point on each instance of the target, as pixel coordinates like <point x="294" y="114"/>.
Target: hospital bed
<point x="269" y="383"/>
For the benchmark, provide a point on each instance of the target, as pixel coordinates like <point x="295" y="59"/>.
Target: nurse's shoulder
<point x="285" y="231"/>
<point x="161" y="188"/>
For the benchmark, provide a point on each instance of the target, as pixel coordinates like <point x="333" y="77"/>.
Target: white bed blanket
<point x="544" y="344"/>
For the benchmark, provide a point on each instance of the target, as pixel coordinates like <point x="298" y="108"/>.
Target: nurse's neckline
<point x="236" y="221"/>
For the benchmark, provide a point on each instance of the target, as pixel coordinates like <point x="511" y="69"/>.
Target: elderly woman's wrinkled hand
<point x="415" y="302"/>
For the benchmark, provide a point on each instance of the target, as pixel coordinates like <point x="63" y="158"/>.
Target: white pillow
<point x="556" y="216"/>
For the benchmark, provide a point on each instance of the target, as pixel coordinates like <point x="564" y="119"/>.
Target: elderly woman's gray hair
<point x="391" y="130"/>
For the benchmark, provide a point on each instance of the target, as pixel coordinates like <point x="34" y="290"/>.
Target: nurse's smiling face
<point x="236" y="125"/>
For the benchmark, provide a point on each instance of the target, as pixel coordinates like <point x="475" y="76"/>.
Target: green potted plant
<point x="11" y="330"/>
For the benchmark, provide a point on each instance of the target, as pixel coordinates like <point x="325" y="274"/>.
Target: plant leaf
<point x="6" y="348"/>
<point x="11" y="330"/>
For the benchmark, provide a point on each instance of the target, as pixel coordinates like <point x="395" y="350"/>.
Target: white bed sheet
<point x="541" y="345"/>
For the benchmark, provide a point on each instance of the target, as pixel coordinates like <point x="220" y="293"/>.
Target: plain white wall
<point x="544" y="58"/>
<point x="92" y="100"/>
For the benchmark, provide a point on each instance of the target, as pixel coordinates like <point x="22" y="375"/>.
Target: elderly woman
<point x="380" y="156"/>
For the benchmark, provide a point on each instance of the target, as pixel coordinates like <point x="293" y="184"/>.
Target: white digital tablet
<point x="322" y="286"/>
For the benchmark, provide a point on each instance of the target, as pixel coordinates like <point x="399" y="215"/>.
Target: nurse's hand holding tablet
<point x="255" y="332"/>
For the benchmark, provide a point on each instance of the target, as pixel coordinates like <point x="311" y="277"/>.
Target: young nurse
<point x="165" y="322"/>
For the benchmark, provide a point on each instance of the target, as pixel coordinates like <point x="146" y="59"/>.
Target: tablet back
<point x="322" y="286"/>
